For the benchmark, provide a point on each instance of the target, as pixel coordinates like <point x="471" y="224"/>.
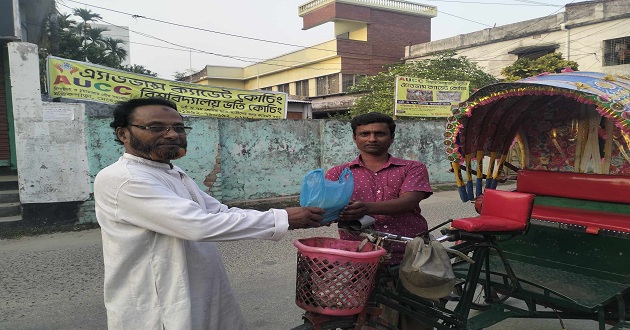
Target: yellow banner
<point x="416" y="97"/>
<point x="85" y="81"/>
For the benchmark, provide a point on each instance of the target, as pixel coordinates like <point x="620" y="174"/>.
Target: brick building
<point x="368" y="35"/>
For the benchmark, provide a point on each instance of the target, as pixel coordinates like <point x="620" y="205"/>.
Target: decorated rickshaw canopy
<point x="490" y="118"/>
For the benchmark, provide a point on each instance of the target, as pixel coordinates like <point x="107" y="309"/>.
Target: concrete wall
<point x="240" y="159"/>
<point x="61" y="146"/>
<point x="49" y="138"/>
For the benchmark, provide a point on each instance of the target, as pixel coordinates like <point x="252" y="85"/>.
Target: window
<point x="617" y="51"/>
<point x="328" y="84"/>
<point x="283" y="88"/>
<point x="265" y="89"/>
<point x="301" y="87"/>
<point x="349" y="80"/>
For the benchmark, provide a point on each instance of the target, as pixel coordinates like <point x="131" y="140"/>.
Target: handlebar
<point x="363" y="227"/>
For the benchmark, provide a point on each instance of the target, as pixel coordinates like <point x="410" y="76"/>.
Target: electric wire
<point x="598" y="31"/>
<point x="517" y="31"/>
<point x="224" y="33"/>
<point x="187" y="48"/>
<point x="271" y="41"/>
<point x="267" y="61"/>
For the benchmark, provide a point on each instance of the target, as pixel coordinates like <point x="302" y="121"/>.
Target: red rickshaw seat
<point x="578" y="186"/>
<point x="501" y="212"/>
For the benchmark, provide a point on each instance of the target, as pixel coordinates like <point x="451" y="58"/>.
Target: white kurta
<point x="161" y="270"/>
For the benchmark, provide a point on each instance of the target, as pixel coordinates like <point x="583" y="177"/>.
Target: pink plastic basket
<point x="332" y="277"/>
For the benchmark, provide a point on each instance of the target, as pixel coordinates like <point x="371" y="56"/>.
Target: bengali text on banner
<point x="416" y="97"/>
<point x="85" y="81"/>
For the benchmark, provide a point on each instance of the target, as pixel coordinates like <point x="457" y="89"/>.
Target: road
<point x="55" y="281"/>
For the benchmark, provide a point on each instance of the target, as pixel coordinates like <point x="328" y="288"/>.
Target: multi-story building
<point x="595" y="34"/>
<point x="368" y="35"/>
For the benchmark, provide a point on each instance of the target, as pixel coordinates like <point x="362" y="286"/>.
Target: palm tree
<point x="65" y="23"/>
<point x="136" y="68"/>
<point x="86" y="16"/>
<point x="70" y="40"/>
<point x="114" y="49"/>
<point x="95" y="36"/>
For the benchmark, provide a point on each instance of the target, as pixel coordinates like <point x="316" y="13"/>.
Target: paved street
<point x="55" y="281"/>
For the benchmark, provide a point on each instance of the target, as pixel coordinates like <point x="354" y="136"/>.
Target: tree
<point x="70" y="41"/>
<point x="379" y="89"/>
<point x="94" y="47"/>
<point x="86" y="16"/>
<point x="181" y="76"/>
<point x="138" y="69"/>
<point x="79" y="41"/>
<point x="114" y="52"/>
<point x="95" y="37"/>
<point x="524" y="67"/>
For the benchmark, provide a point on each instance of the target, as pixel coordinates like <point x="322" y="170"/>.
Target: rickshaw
<point x="565" y="138"/>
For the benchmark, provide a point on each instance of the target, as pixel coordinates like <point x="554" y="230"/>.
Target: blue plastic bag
<point x="331" y="196"/>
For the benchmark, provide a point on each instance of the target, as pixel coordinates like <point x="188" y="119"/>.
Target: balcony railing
<point x="395" y="5"/>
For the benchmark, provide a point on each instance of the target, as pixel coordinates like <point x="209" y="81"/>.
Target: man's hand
<point x="405" y="203"/>
<point x="353" y="211"/>
<point x="304" y="217"/>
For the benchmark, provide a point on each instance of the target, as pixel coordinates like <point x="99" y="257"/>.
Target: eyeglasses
<point x="181" y="130"/>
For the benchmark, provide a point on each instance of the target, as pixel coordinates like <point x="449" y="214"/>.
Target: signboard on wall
<point x="86" y="81"/>
<point x="416" y="97"/>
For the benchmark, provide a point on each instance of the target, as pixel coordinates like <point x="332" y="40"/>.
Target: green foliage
<point x="182" y="75"/>
<point x="139" y="69"/>
<point x="79" y="40"/>
<point x="524" y="67"/>
<point x="379" y="90"/>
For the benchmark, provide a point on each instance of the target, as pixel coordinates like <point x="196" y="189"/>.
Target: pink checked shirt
<point x="394" y="178"/>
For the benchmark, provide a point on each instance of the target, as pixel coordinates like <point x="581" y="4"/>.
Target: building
<point x="594" y="34"/>
<point x="368" y="35"/>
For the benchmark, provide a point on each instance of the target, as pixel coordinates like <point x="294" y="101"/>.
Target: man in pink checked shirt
<point x="386" y="188"/>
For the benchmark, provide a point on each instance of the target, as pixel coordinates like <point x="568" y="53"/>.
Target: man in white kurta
<point x="162" y="269"/>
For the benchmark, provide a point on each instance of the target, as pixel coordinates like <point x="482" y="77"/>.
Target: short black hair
<point x="371" y="118"/>
<point x="124" y="111"/>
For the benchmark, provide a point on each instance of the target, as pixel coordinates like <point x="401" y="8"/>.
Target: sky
<point x="182" y="35"/>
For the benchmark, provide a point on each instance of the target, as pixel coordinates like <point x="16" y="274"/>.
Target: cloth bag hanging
<point x="426" y="269"/>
